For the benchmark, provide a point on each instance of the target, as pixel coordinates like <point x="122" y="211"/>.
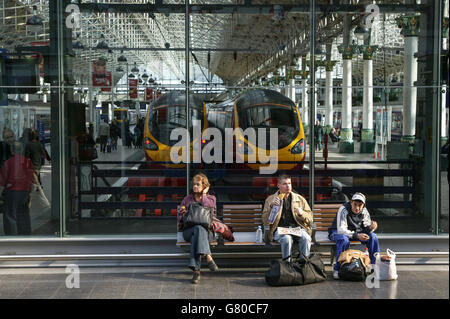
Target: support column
<point x="367" y="132"/>
<point x="292" y="86"/>
<point x="276" y="81"/>
<point x="290" y="79"/>
<point x="444" y="89"/>
<point x="410" y="30"/>
<point x="346" y="144"/>
<point x="305" y="114"/>
<point x="329" y="65"/>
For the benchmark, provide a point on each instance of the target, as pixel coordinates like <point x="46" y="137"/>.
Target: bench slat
<point x="327" y="215"/>
<point x="324" y="220"/>
<point x="241" y="216"/>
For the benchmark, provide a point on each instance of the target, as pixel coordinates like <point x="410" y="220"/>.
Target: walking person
<point x="318" y="136"/>
<point x="16" y="176"/>
<point x="36" y="152"/>
<point x="104" y="133"/>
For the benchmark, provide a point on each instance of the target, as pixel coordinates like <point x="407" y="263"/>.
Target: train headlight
<point x="299" y="148"/>
<point x="243" y="148"/>
<point x="150" y="145"/>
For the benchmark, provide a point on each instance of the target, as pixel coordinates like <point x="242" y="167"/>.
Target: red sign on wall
<point x="102" y="81"/>
<point x="133" y="84"/>
<point x="148" y="94"/>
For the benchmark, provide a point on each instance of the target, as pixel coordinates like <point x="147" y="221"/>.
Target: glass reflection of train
<point x="262" y="110"/>
<point x="164" y="115"/>
<point x="128" y="109"/>
<point x="18" y="115"/>
<point x="258" y="109"/>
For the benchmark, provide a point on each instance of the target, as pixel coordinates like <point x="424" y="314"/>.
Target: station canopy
<point x="233" y="42"/>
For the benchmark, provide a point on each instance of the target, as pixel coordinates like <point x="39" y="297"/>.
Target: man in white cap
<point x="352" y="222"/>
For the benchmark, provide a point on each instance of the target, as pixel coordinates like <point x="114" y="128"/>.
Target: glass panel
<point x="444" y="127"/>
<point x="115" y="94"/>
<point x="25" y="121"/>
<point x="370" y="95"/>
<point x="130" y="78"/>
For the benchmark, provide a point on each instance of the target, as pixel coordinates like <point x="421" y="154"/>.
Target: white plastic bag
<point x="385" y="268"/>
<point x="38" y="192"/>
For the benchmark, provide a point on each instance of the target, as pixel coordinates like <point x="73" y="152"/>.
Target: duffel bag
<point x="299" y="272"/>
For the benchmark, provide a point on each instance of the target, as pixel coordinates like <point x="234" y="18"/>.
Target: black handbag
<point x="299" y="272"/>
<point x="198" y="215"/>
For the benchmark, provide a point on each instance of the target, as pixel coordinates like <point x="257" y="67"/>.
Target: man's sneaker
<point x="336" y="274"/>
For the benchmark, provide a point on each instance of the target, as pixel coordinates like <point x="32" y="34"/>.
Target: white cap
<point x="360" y="197"/>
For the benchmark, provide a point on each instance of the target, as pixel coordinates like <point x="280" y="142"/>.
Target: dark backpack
<point x="353" y="271"/>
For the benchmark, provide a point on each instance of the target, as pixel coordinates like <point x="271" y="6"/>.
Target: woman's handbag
<point x="198" y="215"/>
<point x="385" y="268"/>
<point x="299" y="272"/>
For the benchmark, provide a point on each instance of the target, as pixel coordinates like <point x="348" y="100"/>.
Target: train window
<point x="272" y="116"/>
<point x="164" y="119"/>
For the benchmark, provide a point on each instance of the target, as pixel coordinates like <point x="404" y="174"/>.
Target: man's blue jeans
<point x="287" y="241"/>
<point x="343" y="243"/>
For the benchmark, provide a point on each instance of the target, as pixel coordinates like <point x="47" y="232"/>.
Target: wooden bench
<point x="244" y="219"/>
<point x="323" y="216"/>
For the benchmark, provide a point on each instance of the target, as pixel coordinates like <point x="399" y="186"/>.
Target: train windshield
<point x="164" y="119"/>
<point x="272" y="116"/>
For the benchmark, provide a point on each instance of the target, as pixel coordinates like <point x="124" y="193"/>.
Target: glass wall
<point x="108" y="111"/>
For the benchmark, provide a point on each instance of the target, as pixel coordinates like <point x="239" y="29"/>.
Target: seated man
<point x="294" y="212"/>
<point x="352" y="222"/>
<point x="333" y="136"/>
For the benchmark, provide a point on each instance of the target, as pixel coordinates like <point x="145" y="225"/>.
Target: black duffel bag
<point x="198" y="215"/>
<point x="298" y="272"/>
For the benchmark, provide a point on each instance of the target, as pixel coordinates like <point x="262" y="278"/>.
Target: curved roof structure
<point x="236" y="42"/>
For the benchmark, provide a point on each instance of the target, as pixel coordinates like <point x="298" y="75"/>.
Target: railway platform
<point x="238" y="284"/>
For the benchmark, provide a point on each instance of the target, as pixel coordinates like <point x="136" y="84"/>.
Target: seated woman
<point x="197" y="235"/>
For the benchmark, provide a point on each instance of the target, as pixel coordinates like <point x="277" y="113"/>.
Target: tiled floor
<point x="414" y="282"/>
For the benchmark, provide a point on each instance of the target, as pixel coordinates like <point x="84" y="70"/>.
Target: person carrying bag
<point x="304" y="271"/>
